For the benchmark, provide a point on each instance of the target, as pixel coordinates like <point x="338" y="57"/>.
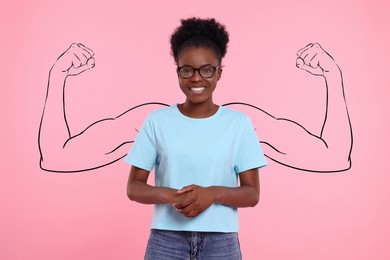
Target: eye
<point x="186" y="70"/>
<point x="207" y="70"/>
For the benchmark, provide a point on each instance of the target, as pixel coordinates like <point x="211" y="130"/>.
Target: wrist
<point x="56" y="81"/>
<point x="215" y="193"/>
<point x="167" y="195"/>
<point x="333" y="72"/>
<point x="58" y="73"/>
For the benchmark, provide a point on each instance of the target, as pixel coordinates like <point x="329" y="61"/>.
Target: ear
<point x="219" y="73"/>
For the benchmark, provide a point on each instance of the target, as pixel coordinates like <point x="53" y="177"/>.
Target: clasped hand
<point x="192" y="200"/>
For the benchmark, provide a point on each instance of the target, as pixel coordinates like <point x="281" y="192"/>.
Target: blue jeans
<point x="176" y="245"/>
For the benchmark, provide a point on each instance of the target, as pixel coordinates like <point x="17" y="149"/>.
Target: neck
<point x="198" y="110"/>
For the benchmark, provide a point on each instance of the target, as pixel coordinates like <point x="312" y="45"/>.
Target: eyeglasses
<point x="206" y="71"/>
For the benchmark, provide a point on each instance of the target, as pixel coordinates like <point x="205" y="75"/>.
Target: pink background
<point x="301" y="215"/>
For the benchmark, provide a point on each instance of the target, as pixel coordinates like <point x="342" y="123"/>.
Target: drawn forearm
<point x="337" y="130"/>
<point x="54" y="130"/>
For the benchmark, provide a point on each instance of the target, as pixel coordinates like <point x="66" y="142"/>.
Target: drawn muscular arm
<point x="108" y="140"/>
<point x="289" y="143"/>
<point x="101" y="143"/>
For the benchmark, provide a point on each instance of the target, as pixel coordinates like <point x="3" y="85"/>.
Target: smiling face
<point x="198" y="90"/>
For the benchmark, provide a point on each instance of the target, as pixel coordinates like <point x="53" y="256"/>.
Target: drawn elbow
<point x="335" y="164"/>
<point x="338" y="164"/>
<point x="344" y="165"/>
<point x="57" y="164"/>
<point x="49" y="166"/>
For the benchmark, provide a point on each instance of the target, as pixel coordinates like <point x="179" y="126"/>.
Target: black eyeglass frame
<point x="198" y="70"/>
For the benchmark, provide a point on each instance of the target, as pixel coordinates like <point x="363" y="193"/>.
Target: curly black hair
<point x="197" y="32"/>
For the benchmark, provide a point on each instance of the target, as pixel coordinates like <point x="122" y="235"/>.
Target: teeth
<point x="198" y="89"/>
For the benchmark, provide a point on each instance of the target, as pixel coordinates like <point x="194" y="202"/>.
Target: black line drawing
<point x="284" y="141"/>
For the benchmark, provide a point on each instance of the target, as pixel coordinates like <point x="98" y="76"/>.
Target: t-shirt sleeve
<point x="250" y="154"/>
<point x="143" y="153"/>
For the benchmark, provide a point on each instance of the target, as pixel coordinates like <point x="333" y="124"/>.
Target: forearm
<point x="146" y="194"/>
<point x="53" y="131"/>
<point x="243" y="196"/>
<point x="337" y="131"/>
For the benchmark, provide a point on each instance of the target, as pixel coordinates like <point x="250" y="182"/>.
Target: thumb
<point x="76" y="71"/>
<point x="185" y="189"/>
<point x="315" y="71"/>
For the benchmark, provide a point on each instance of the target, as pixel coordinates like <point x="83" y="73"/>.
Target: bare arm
<point x="101" y="143"/>
<point x="196" y="199"/>
<point x="138" y="190"/>
<point x="289" y="143"/>
<point x="193" y="200"/>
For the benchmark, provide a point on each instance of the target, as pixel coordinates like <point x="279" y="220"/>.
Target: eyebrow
<point x="186" y="65"/>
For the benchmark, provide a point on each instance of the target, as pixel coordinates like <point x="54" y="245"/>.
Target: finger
<point x="311" y="60"/>
<point x="185" y="189"/>
<point x="186" y="210"/>
<point x="91" y="63"/>
<point x="76" y="61"/>
<point x="192" y="214"/>
<point x="188" y="188"/>
<point x="85" y="53"/>
<point x="304" y="54"/>
<point x="299" y="53"/>
<point x="182" y="205"/>
<point x="82" y="56"/>
<point x="80" y="51"/>
<point x="315" y="71"/>
<point x="183" y="202"/>
<point x="77" y="70"/>
<point x="190" y="211"/>
<point x="69" y="51"/>
<point x="309" y="52"/>
<point x="83" y="47"/>
<point x="299" y="62"/>
<point x="314" y="61"/>
<point x="309" y="56"/>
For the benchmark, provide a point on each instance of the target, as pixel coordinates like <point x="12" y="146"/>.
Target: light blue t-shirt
<point x="203" y="151"/>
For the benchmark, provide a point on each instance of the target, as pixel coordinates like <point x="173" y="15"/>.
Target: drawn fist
<point x="75" y="60"/>
<point x="315" y="60"/>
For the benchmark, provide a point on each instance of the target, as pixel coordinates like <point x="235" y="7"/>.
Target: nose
<point x="196" y="77"/>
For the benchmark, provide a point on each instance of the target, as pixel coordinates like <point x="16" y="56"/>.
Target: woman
<point x="198" y="149"/>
